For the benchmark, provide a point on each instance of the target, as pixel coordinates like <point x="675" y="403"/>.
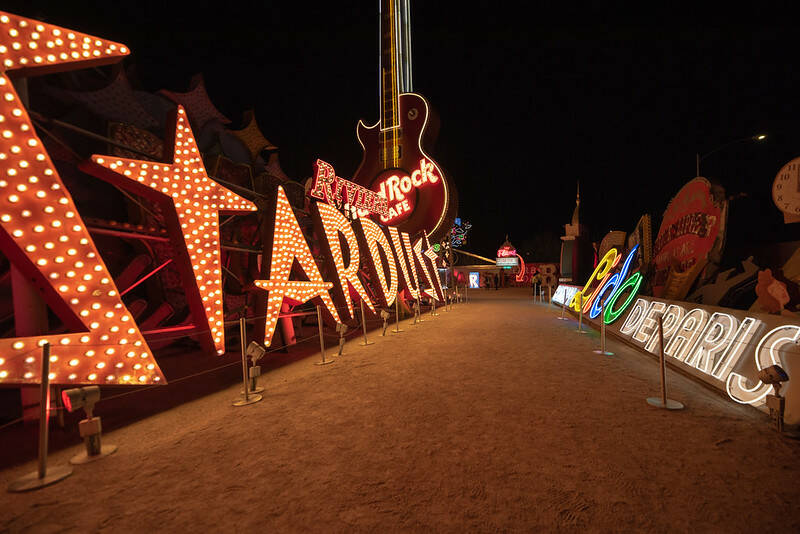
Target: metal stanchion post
<point x="397" y="329"/>
<point x="563" y="307"/>
<point x="549" y="296"/>
<point x="364" y="327"/>
<point x="603" y="350"/>
<point x="663" y="401"/>
<point x="419" y="307"/>
<point x="248" y="398"/>
<point x="41" y="478"/>
<point x="580" y="316"/>
<point x="321" y="340"/>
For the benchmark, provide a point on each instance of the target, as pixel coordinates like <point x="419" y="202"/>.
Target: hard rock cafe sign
<point x="398" y="188"/>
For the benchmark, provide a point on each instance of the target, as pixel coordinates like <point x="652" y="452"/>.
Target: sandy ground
<point x="492" y="417"/>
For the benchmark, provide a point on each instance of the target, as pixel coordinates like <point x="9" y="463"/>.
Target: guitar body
<point x="421" y="197"/>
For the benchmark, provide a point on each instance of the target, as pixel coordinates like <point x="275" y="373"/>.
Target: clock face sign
<point x="786" y="191"/>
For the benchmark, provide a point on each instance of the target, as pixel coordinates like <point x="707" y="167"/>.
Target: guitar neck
<point x="389" y="66"/>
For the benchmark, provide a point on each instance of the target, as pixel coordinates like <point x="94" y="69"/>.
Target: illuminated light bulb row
<point x="431" y="277"/>
<point x="376" y="241"/>
<point x="26" y="43"/>
<point x="288" y="244"/>
<point x="198" y="200"/>
<point x="403" y="255"/>
<point x="39" y="214"/>
<point x="433" y="257"/>
<point x="334" y="223"/>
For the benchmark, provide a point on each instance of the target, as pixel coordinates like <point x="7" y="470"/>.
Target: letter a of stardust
<point x="289" y="243"/>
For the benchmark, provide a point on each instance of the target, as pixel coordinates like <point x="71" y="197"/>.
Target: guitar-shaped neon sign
<point x="394" y="163"/>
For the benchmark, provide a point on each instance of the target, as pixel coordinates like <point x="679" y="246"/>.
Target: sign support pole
<point x="364" y="327"/>
<point x="41" y="478"/>
<point x="603" y="350"/>
<point x="321" y="339"/>
<point x="397" y="315"/>
<point x="663" y="401"/>
<point x="580" y="316"/>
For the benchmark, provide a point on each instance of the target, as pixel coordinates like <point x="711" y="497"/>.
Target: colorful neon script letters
<point x="610" y="289"/>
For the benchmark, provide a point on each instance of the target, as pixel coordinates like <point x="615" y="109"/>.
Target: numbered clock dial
<point x="786" y="189"/>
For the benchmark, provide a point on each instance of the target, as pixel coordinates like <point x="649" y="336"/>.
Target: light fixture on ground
<point x="341" y="328"/>
<point x="385" y="316"/>
<point x="774" y="375"/>
<point x="255" y="352"/>
<point x="91" y="427"/>
<point x="247" y="398"/>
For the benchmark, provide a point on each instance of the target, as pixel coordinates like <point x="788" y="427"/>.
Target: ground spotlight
<point x="91" y="427"/>
<point x="342" y="329"/>
<point x="385" y="316"/>
<point x="774" y="375"/>
<point x="255" y="352"/>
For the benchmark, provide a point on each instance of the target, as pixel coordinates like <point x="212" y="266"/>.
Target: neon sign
<point x="397" y="189"/>
<point x="723" y="347"/>
<point x="45" y="237"/>
<point x="474" y="280"/>
<point x="197" y="201"/>
<point x="609" y="289"/>
<point x="289" y="244"/>
<point x="335" y="190"/>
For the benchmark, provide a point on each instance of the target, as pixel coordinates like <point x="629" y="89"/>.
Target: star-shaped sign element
<point x="288" y="245"/>
<point x="198" y="200"/>
<point x="45" y="237"/>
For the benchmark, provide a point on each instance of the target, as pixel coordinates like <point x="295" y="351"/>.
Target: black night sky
<point x="530" y="99"/>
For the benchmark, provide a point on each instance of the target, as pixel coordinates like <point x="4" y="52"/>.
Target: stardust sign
<point x="44" y="236"/>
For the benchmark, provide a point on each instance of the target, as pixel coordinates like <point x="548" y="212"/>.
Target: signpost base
<point x="671" y="404"/>
<point x="603" y="352"/>
<point x="251" y="399"/>
<point x="84" y="458"/>
<point x="32" y="481"/>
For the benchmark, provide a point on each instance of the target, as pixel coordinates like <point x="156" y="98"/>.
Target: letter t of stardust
<point x="197" y="200"/>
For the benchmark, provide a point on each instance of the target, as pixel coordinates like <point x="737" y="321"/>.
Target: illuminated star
<point x="45" y="237"/>
<point x="288" y="244"/>
<point x="198" y="200"/>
